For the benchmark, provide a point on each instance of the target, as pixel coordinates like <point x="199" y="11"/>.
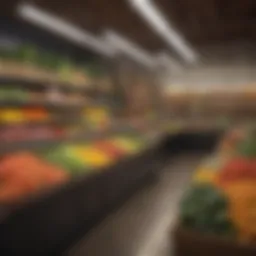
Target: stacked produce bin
<point x="217" y="211"/>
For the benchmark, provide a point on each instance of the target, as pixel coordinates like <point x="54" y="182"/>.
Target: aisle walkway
<point x="142" y="226"/>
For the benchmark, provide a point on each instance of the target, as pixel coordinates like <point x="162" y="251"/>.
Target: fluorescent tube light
<point x="65" y="29"/>
<point x="127" y="47"/>
<point x="165" y="29"/>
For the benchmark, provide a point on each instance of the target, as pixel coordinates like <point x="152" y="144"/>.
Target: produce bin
<point x="217" y="211"/>
<point x="48" y="224"/>
<point x="51" y="223"/>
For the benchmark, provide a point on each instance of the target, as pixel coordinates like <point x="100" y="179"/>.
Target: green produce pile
<point x="248" y="147"/>
<point x="7" y="94"/>
<point x="204" y="209"/>
<point x="65" y="158"/>
<point x="222" y="196"/>
<point x="29" y="54"/>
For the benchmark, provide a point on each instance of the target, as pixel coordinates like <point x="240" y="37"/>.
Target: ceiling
<point x="210" y="21"/>
<point x="202" y="22"/>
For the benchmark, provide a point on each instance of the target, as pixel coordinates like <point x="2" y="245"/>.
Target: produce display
<point x="32" y="123"/>
<point x="83" y="158"/>
<point x="24" y="173"/>
<point x="23" y="115"/>
<point x="222" y="196"/>
<point x="20" y="133"/>
<point x="27" y="61"/>
<point x="46" y="97"/>
<point x="16" y="94"/>
<point x="97" y="117"/>
<point x="20" y="94"/>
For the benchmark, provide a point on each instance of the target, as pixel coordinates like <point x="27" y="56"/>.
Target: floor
<point x="141" y="227"/>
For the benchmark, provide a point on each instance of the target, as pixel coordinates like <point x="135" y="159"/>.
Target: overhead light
<point x="129" y="48"/>
<point x="165" y="29"/>
<point x="63" y="28"/>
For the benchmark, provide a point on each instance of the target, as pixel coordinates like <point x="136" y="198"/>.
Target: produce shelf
<point x="214" y="214"/>
<point x="45" y="104"/>
<point x="84" y="136"/>
<point x="28" y="83"/>
<point x="54" y="221"/>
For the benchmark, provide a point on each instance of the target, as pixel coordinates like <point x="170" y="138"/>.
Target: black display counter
<point x="49" y="224"/>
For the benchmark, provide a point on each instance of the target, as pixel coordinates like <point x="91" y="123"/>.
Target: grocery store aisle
<point x="142" y="226"/>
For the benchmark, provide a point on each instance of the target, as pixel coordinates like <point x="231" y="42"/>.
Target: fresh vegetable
<point x="11" y="115"/>
<point x="237" y="169"/>
<point x="205" y="209"/>
<point x="35" y="114"/>
<point x="127" y="144"/>
<point x="66" y="158"/>
<point x="92" y="156"/>
<point x="230" y="142"/>
<point x="242" y="207"/>
<point x="247" y="147"/>
<point x="23" y="173"/>
<point x="110" y="149"/>
<point x="205" y="176"/>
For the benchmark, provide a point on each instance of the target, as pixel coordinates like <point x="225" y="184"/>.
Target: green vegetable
<point x="64" y="157"/>
<point x="204" y="208"/>
<point x="247" y="147"/>
<point x="26" y="53"/>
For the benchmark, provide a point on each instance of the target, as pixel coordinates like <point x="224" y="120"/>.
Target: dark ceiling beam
<point x="98" y="15"/>
<point x="200" y="21"/>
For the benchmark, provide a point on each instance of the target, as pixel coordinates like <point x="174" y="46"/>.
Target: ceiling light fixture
<point x="63" y="28"/>
<point x="165" y="29"/>
<point x="127" y="47"/>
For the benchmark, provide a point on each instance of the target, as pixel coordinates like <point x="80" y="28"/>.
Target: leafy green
<point x="204" y="208"/>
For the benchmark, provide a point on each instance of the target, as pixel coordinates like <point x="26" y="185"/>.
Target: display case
<point x="69" y="143"/>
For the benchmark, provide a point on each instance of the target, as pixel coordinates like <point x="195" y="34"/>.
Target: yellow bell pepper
<point x="92" y="157"/>
<point x="205" y="176"/>
<point x="11" y="116"/>
<point x="125" y="144"/>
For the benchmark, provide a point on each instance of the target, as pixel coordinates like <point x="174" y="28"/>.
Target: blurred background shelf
<point x="28" y="83"/>
<point x="44" y="104"/>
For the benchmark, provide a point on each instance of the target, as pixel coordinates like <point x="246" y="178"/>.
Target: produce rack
<point x="35" y="95"/>
<point x="49" y="221"/>
<point x="216" y="213"/>
<point x="55" y="221"/>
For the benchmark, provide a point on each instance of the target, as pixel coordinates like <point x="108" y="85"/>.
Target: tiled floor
<point x="142" y="226"/>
